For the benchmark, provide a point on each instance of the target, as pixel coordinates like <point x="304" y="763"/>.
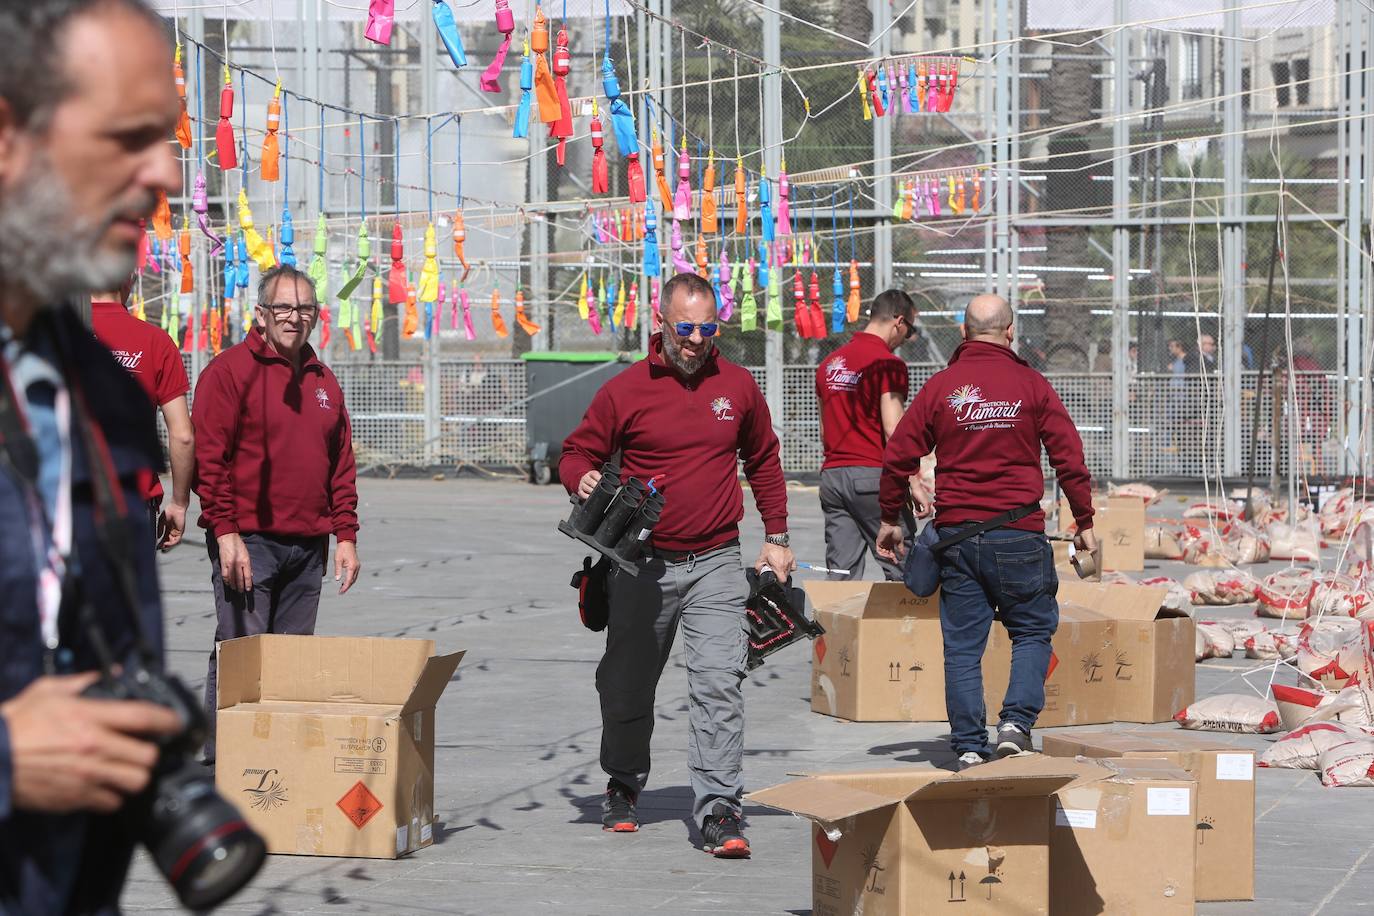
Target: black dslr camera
<point x="198" y="840"/>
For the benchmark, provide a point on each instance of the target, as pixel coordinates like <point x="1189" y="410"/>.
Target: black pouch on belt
<point x="593" y="584"/>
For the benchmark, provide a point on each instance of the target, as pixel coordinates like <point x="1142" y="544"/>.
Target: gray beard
<point x="47" y="252"/>
<point x="672" y="352"/>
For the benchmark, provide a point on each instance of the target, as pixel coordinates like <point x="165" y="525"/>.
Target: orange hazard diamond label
<point x="359" y="805"/>
<point x="1054" y="663"/>
<point x="820" y="649"/>
<point x="826" y="846"/>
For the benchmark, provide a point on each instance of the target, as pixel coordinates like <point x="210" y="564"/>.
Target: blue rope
<point x="286" y="149"/>
<point x="458" y="119"/>
<point x="322" y="207"/>
<point x="243" y="125"/>
<point x="429" y="165"/>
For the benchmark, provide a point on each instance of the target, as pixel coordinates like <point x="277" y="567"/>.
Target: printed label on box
<point x="1167" y="802"/>
<point x="360" y="765"/>
<point x="426" y="832"/>
<point x="402" y="838"/>
<point x="1236" y="767"/>
<point x="1082" y="818"/>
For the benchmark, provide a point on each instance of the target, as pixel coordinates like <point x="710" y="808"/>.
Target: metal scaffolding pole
<point x="1233" y="304"/>
<point x="882" y="157"/>
<point x="1355" y="148"/>
<point x="1121" y="242"/>
<point x="774" y="352"/>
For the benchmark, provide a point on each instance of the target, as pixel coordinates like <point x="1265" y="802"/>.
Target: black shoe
<point x="722" y="835"/>
<point x="618" y="811"/>
<point x="1012" y="740"/>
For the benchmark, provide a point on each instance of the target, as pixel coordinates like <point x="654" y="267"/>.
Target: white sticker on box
<point x="419" y="722"/>
<point x="402" y="838"/>
<point x="1167" y="801"/>
<point x="1236" y="767"/>
<point x="1082" y="818"/>
<point x="426" y="832"/>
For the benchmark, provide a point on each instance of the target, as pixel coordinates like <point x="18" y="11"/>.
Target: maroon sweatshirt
<point x="274" y="447"/>
<point x="691" y="434"/>
<point x="986" y="416"/>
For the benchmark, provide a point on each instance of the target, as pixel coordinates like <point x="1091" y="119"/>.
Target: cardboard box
<point x="1121" y="841"/>
<point x="327" y="743"/>
<point x="1225" y="774"/>
<point x="907" y="841"/>
<point x="881" y="658"/>
<point x="1120" y="525"/>
<point x="1080" y="688"/>
<point x="1154" y="667"/>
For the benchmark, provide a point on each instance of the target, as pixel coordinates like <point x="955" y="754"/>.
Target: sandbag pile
<point x="1221" y="587"/>
<point x="1303" y="747"/>
<point x="1286" y="594"/>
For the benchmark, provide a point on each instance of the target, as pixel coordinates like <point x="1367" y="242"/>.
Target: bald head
<point x="987" y="316"/>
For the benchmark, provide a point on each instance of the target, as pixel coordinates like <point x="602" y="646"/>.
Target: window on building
<point x="1302" y="84"/>
<point x="1282" y="91"/>
<point x="1190" y="66"/>
<point x="1245" y="89"/>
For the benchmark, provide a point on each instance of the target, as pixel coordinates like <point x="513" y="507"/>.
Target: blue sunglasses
<point x="685" y="328"/>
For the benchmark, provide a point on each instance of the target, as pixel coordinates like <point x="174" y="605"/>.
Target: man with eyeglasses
<point x="274" y="472"/>
<point x="862" y="389"/>
<point x="684" y="418"/>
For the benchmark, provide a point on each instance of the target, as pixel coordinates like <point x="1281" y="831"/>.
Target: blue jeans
<point x="1012" y="571"/>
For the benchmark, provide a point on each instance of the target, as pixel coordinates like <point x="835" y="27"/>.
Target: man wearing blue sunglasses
<point x="683" y="419"/>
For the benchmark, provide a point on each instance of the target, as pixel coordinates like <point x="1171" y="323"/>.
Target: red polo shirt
<point x="149" y="355"/>
<point x="850" y="384"/>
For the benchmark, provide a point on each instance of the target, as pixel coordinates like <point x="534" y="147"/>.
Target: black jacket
<point x="74" y="863"/>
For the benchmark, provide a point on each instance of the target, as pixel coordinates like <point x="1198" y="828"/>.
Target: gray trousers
<point x="849" y="499"/>
<point x="285" y="598"/>
<point x="707" y="596"/>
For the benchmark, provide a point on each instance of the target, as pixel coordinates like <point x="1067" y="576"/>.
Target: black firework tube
<point x="627" y="500"/>
<point x="589" y="514"/>
<point x="636" y="538"/>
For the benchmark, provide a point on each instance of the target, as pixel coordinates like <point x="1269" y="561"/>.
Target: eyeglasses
<point x="281" y="310"/>
<point x="910" y="327"/>
<point x="685" y="328"/>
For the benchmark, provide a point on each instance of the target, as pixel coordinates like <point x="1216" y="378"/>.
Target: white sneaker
<point x="967" y="760"/>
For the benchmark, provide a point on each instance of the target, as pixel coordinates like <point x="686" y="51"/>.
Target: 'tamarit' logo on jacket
<point x="322" y="397"/>
<point x="973" y="411"/>
<point x="839" y="377"/>
<point x="723" y="408"/>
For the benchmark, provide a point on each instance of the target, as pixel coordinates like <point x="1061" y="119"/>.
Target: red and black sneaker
<point x="722" y="836"/>
<point x="618" y="811"/>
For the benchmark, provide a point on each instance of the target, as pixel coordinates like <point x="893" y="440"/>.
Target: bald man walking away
<point x="988" y="413"/>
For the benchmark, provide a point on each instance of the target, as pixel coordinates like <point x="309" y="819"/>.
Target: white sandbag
<point x="1302" y="748"/>
<point x="1349" y="764"/>
<point x="1178" y="599"/>
<point x="1231" y="712"/>
<point x="1220" y="509"/>
<point x="1270" y="645"/>
<point x="1341" y="596"/>
<point x="1143" y="491"/>
<point x="1329" y="651"/>
<point x="1299" y="706"/>
<point x="1161" y="543"/>
<point x="1244" y="544"/>
<point x="1221" y="587"/>
<point x="1212" y="641"/>
<point x="1286" y="594"/>
<point x="1336" y="511"/>
<point x="1294" y="542"/>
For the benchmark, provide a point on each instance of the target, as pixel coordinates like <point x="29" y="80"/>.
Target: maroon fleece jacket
<point x="274" y="447"/>
<point x="986" y="416"/>
<point x="690" y="434"/>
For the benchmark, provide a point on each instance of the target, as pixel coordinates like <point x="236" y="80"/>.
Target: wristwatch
<point x="778" y="540"/>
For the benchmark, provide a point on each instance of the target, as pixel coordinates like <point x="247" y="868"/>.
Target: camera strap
<point x="50" y="540"/>
<point x="19" y="452"/>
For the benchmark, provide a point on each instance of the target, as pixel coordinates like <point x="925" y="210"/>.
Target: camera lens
<point x="198" y="840"/>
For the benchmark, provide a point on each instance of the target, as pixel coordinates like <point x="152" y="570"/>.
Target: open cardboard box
<point x="326" y="744"/>
<point x="1119" y="522"/>
<point x="906" y="841"/>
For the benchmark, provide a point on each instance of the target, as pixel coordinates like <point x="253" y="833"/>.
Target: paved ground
<point x="477" y="565"/>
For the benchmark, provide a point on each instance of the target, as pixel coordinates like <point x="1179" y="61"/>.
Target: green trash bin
<point x="560" y="386"/>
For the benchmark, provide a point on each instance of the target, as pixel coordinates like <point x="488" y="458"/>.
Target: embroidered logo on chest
<point x="322" y="398"/>
<point x="723" y="409"/>
<point x="839" y="377"/>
